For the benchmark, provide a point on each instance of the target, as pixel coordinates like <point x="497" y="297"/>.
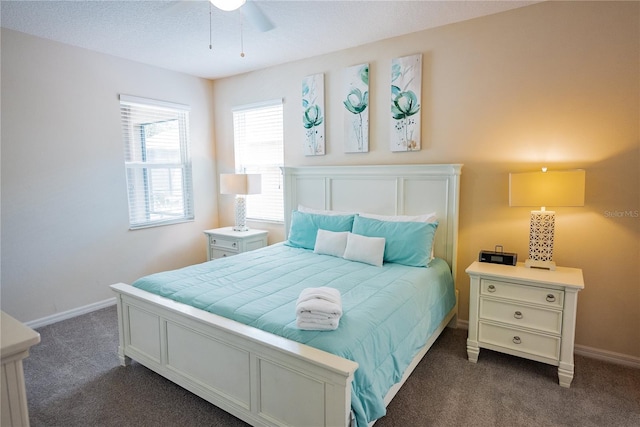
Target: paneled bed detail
<point x="226" y="329"/>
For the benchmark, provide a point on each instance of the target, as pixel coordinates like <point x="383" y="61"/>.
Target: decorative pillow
<point x="322" y="211"/>
<point x="369" y="250"/>
<point x="304" y="227"/>
<point x="331" y="242"/>
<point x="430" y="217"/>
<point x="407" y="243"/>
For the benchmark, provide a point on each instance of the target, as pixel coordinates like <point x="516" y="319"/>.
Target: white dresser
<point x="16" y="340"/>
<point x="525" y="312"/>
<point x="223" y="242"/>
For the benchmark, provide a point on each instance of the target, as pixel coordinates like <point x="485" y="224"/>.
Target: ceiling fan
<point x="250" y="11"/>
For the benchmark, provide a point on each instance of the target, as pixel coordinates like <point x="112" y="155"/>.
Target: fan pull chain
<point x="241" y="38"/>
<point x="210" y="30"/>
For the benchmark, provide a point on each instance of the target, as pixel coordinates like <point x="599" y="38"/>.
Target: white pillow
<point x="331" y="242"/>
<point x="321" y="211"/>
<point x="430" y="217"/>
<point x="369" y="250"/>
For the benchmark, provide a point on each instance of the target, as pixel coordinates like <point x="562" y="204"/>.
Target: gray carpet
<point x="73" y="378"/>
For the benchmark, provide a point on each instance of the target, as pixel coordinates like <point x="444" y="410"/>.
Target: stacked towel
<point x="319" y="309"/>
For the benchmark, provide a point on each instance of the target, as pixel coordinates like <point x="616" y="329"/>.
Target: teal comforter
<point x="389" y="312"/>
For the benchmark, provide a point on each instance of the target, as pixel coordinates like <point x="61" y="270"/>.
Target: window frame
<point x="272" y="179"/>
<point x="136" y="115"/>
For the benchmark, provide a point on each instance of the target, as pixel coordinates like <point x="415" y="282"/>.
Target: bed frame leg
<point x="124" y="360"/>
<point x="453" y="323"/>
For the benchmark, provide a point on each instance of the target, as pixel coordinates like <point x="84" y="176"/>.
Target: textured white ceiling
<point x="175" y="34"/>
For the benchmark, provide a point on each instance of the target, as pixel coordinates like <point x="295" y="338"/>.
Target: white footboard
<point x="260" y="378"/>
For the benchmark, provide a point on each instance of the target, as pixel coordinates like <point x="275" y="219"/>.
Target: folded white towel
<point x="323" y="292"/>
<point x="316" y="316"/>
<point x="319" y="307"/>
<point x="314" y="325"/>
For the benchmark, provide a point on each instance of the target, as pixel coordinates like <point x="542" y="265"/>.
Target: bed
<point x="263" y="369"/>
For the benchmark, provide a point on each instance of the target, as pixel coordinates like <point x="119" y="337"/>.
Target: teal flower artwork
<point x="405" y="104"/>
<point x="356" y="103"/>
<point x="406" y="77"/>
<point x="312" y="117"/>
<point x="312" y="114"/>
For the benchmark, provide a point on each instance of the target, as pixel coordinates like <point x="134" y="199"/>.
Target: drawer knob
<point x="491" y="288"/>
<point x="214" y="241"/>
<point x="234" y="244"/>
<point x="517" y="315"/>
<point x="551" y="298"/>
<point x="224" y="255"/>
<point x="517" y="340"/>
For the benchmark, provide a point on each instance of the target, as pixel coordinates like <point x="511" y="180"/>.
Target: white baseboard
<point x="607" y="356"/>
<point x="593" y="353"/>
<point x="58" y="317"/>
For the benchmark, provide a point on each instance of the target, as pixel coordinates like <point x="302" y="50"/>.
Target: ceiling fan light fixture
<point x="228" y="5"/>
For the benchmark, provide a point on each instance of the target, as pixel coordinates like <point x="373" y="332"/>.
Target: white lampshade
<point x="240" y="183"/>
<point x="546" y="188"/>
<point x="551" y="188"/>
<point x="228" y="5"/>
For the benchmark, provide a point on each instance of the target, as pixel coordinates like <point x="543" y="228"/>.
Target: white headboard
<point x="384" y="190"/>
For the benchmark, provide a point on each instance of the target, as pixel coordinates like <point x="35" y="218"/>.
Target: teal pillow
<point x="407" y="243"/>
<point x="304" y="227"/>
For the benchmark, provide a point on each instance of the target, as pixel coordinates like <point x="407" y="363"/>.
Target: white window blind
<point x="258" y="143"/>
<point x="157" y="161"/>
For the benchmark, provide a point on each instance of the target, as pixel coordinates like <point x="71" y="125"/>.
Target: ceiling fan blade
<point x="256" y="17"/>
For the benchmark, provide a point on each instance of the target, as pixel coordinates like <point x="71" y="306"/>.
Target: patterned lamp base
<point x="541" y="240"/>
<point x="241" y="214"/>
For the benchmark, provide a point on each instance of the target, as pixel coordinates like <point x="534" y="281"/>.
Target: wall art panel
<point x="313" y="114"/>
<point x="406" y="88"/>
<point x="356" y="112"/>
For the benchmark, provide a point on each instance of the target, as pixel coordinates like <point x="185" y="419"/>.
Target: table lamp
<point x="240" y="185"/>
<point x="546" y="188"/>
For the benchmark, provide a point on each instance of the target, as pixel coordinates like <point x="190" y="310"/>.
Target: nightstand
<point x="525" y="312"/>
<point x="223" y="242"/>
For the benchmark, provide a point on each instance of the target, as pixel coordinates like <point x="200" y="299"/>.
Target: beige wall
<point x="553" y="84"/>
<point x="65" y="234"/>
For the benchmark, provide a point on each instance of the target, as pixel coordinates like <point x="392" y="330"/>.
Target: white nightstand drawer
<point x="216" y="253"/>
<point x="521" y="315"/>
<point x="532" y="294"/>
<point x="221" y="243"/>
<point x="252" y="245"/>
<point x="519" y="340"/>
<point x="224" y="242"/>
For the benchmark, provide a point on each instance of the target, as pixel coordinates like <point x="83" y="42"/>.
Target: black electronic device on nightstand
<point x="498" y="256"/>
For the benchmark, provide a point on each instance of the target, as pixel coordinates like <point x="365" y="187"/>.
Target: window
<point x="258" y="144"/>
<point x="157" y="161"/>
